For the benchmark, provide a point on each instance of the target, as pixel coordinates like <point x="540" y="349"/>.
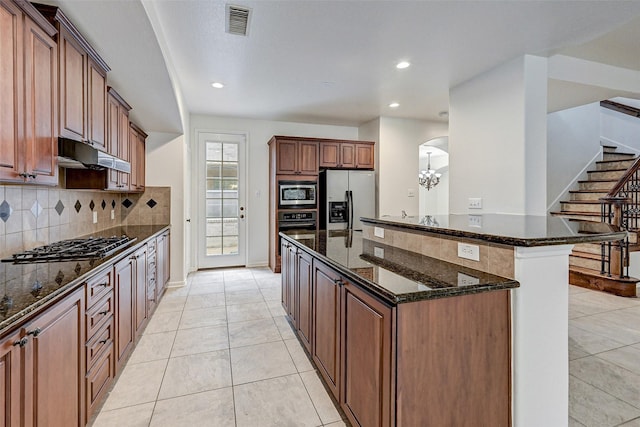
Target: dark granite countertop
<point x="28" y="287"/>
<point x="393" y="274"/>
<point x="514" y="230"/>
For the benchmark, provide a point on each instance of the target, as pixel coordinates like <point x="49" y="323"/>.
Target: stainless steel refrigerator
<point x="346" y="195"/>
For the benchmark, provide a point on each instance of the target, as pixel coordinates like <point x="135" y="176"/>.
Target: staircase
<point x="595" y="265"/>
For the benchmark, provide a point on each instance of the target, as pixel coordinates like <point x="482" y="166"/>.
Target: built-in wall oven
<point x="301" y="225"/>
<point x="297" y="194"/>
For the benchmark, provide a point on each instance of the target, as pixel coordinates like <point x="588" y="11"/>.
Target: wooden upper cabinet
<point x="295" y="157"/>
<point x="82" y="82"/>
<point x="28" y="83"/>
<point x="346" y="155"/>
<point x="117" y="143"/>
<point x="137" y="139"/>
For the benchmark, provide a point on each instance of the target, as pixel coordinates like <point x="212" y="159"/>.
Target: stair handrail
<point x="621" y="108"/>
<point x="624" y="179"/>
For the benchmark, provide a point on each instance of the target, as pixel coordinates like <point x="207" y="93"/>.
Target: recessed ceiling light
<point x="217" y="85"/>
<point x="403" y="64"/>
<point x="394" y="105"/>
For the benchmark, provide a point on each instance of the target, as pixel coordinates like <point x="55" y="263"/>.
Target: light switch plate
<point x="378" y="232"/>
<point x="411" y="192"/>
<point x="95" y="217"/>
<point x="468" y="251"/>
<point x="475" y="203"/>
<point x="113" y="214"/>
<point x="466" y="280"/>
<point x="378" y="252"/>
<point x="475" y="221"/>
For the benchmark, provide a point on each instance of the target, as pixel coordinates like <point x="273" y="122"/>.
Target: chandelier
<point x="429" y="178"/>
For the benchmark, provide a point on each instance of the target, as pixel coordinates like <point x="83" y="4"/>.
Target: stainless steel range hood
<point x="76" y="155"/>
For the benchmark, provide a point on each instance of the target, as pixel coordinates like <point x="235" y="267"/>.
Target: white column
<point x="540" y="337"/>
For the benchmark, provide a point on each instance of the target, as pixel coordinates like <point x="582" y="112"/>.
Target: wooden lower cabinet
<point x="288" y="252"/>
<point x="10" y="380"/>
<point x="437" y="362"/>
<point x="54" y="369"/>
<point x="366" y="358"/>
<point x="125" y="293"/>
<point x="141" y="309"/>
<point x="326" y="321"/>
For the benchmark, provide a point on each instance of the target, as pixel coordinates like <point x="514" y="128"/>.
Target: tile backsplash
<point x="35" y="216"/>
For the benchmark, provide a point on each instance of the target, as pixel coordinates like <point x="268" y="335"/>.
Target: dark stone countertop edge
<point x="10" y="324"/>
<point x="504" y="240"/>
<point x="393" y="299"/>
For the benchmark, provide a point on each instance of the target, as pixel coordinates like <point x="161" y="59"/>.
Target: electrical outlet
<point x="466" y="280"/>
<point x="378" y="252"/>
<point x="411" y="192"/>
<point x="113" y="214"/>
<point x="475" y="203"/>
<point x="378" y="232"/>
<point x="475" y="221"/>
<point x="95" y="217"/>
<point x="467" y="251"/>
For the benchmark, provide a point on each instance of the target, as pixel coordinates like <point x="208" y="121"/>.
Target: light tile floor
<point x="219" y="352"/>
<point x="604" y="359"/>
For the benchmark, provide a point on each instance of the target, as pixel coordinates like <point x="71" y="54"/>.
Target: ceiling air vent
<point x="238" y="20"/>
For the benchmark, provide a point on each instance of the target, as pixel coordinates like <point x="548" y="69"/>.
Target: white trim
<point x="522" y="252"/>
<point x="617" y="144"/>
<point x="564" y="192"/>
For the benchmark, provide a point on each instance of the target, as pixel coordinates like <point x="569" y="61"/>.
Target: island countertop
<point x="514" y="230"/>
<point x="393" y="274"/>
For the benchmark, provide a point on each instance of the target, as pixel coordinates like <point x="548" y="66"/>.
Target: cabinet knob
<point x="21" y="342"/>
<point x="23" y="175"/>
<point x="102" y="313"/>
<point x="338" y="282"/>
<point x="104" y="285"/>
<point x="32" y="175"/>
<point x="35" y="332"/>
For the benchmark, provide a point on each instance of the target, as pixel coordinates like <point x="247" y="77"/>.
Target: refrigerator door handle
<point x="350" y="207"/>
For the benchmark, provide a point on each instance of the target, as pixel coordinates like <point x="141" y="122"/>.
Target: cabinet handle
<point x="21" y="342"/>
<point x="104" y="285"/>
<point x="338" y="282"/>
<point x="23" y="175"/>
<point x="104" y="341"/>
<point x="102" y="313"/>
<point x="133" y="257"/>
<point x="32" y="175"/>
<point x="35" y="332"/>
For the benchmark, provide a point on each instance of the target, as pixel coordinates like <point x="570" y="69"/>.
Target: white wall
<point x="497" y="139"/>
<point x="370" y="131"/>
<point x="620" y="129"/>
<point x="573" y="143"/>
<point x="398" y="162"/>
<point x="165" y="157"/>
<point x="259" y="132"/>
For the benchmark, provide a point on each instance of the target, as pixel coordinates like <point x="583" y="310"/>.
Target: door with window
<point x="221" y="201"/>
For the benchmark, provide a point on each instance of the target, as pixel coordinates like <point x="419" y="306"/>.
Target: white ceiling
<point x="333" y="62"/>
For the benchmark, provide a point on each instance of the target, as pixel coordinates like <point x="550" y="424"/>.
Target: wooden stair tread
<point x="589" y="271"/>
<point x="585" y="202"/>
<point x="612" y="161"/>
<point x="609" y="170"/>
<point x="586" y="255"/>
<point x="586" y="181"/>
<point x="576" y="213"/>
<point x="588" y="191"/>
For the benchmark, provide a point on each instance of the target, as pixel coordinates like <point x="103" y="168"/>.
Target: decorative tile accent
<point x="59" y="207"/>
<point x="5" y="211"/>
<point x="152" y="203"/>
<point x="36" y="288"/>
<point x="103" y="204"/>
<point x="127" y="203"/>
<point x="113" y="204"/>
<point x="78" y="206"/>
<point x="92" y="205"/>
<point x="59" y="277"/>
<point x="36" y="209"/>
<point x="78" y="268"/>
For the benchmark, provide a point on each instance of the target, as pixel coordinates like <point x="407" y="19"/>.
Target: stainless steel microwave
<point x="297" y="194"/>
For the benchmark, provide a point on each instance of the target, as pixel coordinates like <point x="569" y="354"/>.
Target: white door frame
<point x="197" y="187"/>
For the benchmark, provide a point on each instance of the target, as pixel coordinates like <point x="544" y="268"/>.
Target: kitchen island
<point x="400" y="338"/>
<point x="534" y="251"/>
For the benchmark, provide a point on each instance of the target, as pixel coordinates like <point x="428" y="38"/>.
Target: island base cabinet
<point x="366" y="358"/>
<point x="456" y="372"/>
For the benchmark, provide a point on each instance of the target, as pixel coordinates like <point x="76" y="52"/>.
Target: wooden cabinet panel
<point x="152" y="268"/>
<point x="99" y="314"/>
<point x="55" y="354"/>
<point x="140" y="269"/>
<point x="287" y="157"/>
<point x="99" y="379"/>
<point x="326" y="321"/>
<point x="73" y="66"/>
<point x="137" y="158"/>
<point x="10" y="381"/>
<point x="96" y="113"/>
<point x="117" y="138"/>
<point x="307" y="158"/>
<point x="304" y="284"/>
<point x="98" y="286"/>
<point x="11" y="101"/>
<point x="364" y="156"/>
<point x="366" y="358"/>
<point x="125" y="292"/>
<point x="163" y="267"/>
<point x="100" y="340"/>
<point x="329" y="154"/>
<point x="347" y="156"/>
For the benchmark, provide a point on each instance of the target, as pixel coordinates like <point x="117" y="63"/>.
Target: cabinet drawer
<point x="102" y="339"/>
<point x="98" y="286"/>
<point x="98" y="380"/>
<point x="99" y="314"/>
<point x="151" y="246"/>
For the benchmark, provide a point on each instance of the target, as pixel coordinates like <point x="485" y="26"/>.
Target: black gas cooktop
<point x="72" y="250"/>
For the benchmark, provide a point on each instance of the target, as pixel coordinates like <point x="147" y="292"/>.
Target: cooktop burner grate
<point x="72" y="250"/>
